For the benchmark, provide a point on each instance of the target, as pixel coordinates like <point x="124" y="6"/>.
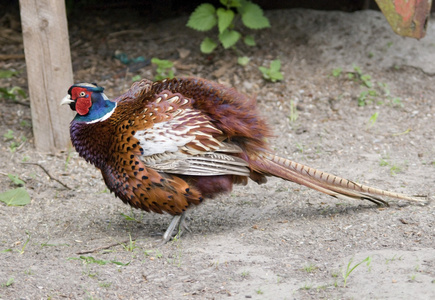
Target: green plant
<point x="164" y="68"/>
<point x="372" y="120"/>
<point x="321" y="287"/>
<point x="7" y="73"/>
<point x="14" y="141"/>
<point x="336" y="72"/>
<point x="130" y="217"/>
<point x="105" y="284"/>
<point x="104" y="191"/>
<point x="215" y="264"/>
<point x="9" y="282"/>
<point x="88" y="272"/>
<point x="15" y="197"/>
<point x="91" y="260"/>
<point x="367" y="97"/>
<point x="177" y="257"/>
<point x="365" y="78"/>
<point x="16" y="180"/>
<point x="131" y="244"/>
<point x="372" y="91"/>
<point x="272" y="73"/>
<point x="394" y="169"/>
<point x="9" y="135"/>
<point x="206" y="17"/>
<point x="156" y="252"/>
<point x="388" y="260"/>
<point x="136" y="78"/>
<point x="245" y="274"/>
<point x="243" y="60"/>
<point x="397" y="101"/>
<point x="259" y="292"/>
<point x="12" y="93"/>
<point x="346" y="273"/>
<point x="25" y="124"/>
<point x="300" y="147"/>
<point x="310" y="268"/>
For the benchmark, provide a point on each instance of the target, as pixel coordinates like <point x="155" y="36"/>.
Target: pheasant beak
<point x="66" y="100"/>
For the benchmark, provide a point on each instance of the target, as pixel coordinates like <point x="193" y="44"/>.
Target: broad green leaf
<point x="15" y="179"/>
<point x="136" y="78"/>
<point x="249" y="40"/>
<point x="252" y="16"/>
<point x="162" y="63"/>
<point x="225" y="17"/>
<point x="243" y="61"/>
<point x="265" y="71"/>
<point x="229" y="38"/>
<point x="203" y="18"/>
<point x="272" y="73"/>
<point x="231" y="3"/>
<point x="275" y="65"/>
<point x="276" y="76"/>
<point x="208" y="45"/>
<point x="15" y="197"/>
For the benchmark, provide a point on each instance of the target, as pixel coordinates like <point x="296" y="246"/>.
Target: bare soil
<point x="272" y="241"/>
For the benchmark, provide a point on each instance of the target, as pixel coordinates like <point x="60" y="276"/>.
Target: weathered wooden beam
<point x="49" y="70"/>
<point x="407" y="17"/>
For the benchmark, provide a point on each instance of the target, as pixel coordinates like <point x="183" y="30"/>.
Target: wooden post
<point x="49" y="70"/>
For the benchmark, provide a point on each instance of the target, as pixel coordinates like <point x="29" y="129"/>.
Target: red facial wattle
<point x="83" y="105"/>
<point x="83" y="100"/>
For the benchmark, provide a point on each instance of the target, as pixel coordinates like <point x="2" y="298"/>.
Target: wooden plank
<point x="49" y="70"/>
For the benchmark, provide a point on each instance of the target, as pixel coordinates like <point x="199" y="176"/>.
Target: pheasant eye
<point x="82" y="94"/>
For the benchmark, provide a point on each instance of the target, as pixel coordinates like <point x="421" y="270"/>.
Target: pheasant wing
<point x="182" y="140"/>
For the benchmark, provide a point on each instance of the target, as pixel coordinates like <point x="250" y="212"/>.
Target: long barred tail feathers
<point x="326" y="183"/>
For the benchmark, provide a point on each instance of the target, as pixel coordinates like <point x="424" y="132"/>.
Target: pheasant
<point x="163" y="146"/>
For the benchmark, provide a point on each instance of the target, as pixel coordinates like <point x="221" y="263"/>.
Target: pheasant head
<point x="88" y="135"/>
<point x="89" y="101"/>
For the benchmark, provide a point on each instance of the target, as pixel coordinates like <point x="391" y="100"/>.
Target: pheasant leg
<point x="176" y="228"/>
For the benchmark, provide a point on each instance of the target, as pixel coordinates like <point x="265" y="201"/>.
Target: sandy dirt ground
<point x="272" y="241"/>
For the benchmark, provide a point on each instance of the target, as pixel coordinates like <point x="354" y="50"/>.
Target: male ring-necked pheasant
<point x="163" y="146"/>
